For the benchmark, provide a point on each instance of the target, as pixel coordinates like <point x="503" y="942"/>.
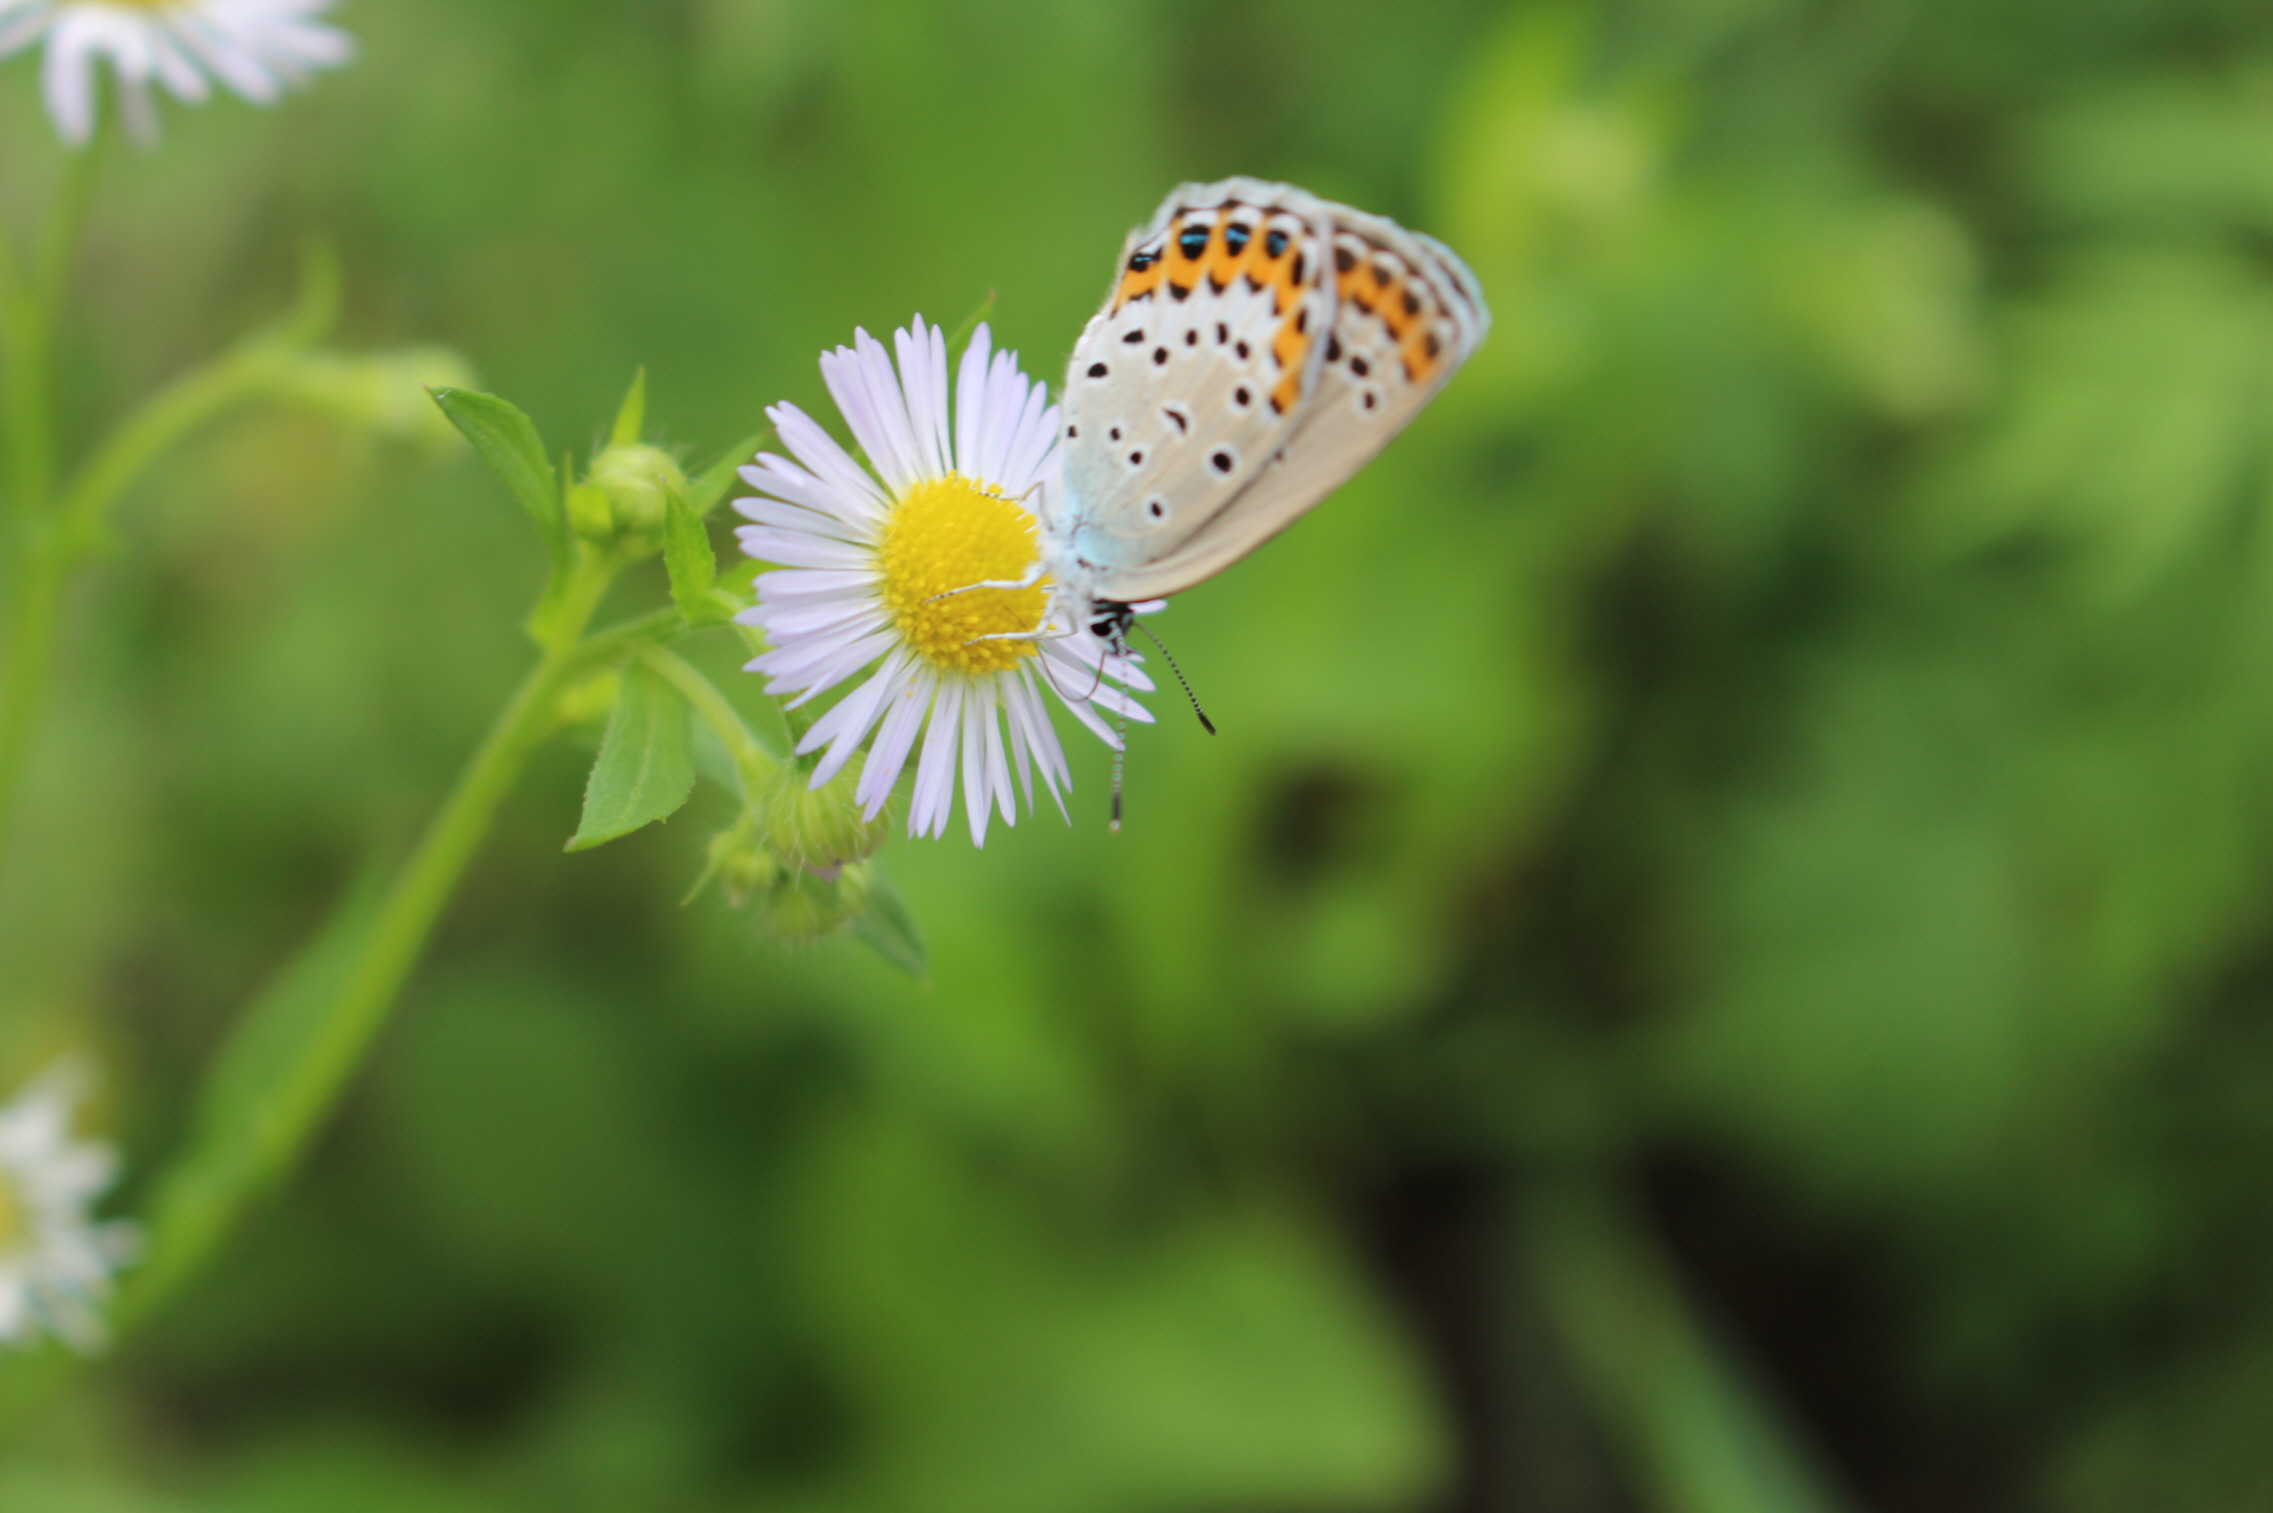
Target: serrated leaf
<point x="645" y="770"/>
<point x="687" y="556"/>
<point x="704" y="493"/>
<point x="632" y="414"/>
<point x="508" y="442"/>
<point x="890" y="930"/>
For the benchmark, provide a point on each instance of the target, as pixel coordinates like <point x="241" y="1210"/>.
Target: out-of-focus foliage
<point x="1730" y="909"/>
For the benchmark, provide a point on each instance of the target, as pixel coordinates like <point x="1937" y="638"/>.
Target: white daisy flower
<point x="56" y="1260"/>
<point x="864" y="563"/>
<point x="258" y="48"/>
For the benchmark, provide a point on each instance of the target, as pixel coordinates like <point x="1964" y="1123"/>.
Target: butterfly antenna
<point x="1120" y="758"/>
<point x="1205" y="723"/>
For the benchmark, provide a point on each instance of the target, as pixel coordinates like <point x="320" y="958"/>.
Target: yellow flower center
<point x="949" y="533"/>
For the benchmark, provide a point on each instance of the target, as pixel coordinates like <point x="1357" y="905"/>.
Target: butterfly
<point x="1258" y="346"/>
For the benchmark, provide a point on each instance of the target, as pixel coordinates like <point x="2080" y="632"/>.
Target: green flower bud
<point x="741" y="862"/>
<point x="636" y="480"/>
<point x="804" y="906"/>
<point x="819" y="830"/>
<point x="590" y="515"/>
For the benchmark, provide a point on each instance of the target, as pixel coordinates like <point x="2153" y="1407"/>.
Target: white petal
<point x="894" y="737"/>
<point x="783" y="623"/>
<point x="783" y="515"/>
<point x="971" y="402"/>
<point x="855" y="515"/>
<point x="811" y="583"/>
<point x="801" y="549"/>
<point x="998" y="769"/>
<point x="853" y="494"/>
<point x="176" y="72"/>
<point x="67" y="76"/>
<point x="843" y="728"/>
<point x="976" y="808"/>
<point x="813" y="667"/>
<point x="1030" y="444"/>
<point x="934" y="802"/>
<point x="867" y="392"/>
<point x="1006" y="399"/>
<point x="222" y="50"/>
<point x="923" y="374"/>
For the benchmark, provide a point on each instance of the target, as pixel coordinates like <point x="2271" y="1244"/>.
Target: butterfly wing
<point x="1194" y="374"/>
<point x="1399" y="313"/>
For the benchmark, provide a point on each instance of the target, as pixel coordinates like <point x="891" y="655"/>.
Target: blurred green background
<point x="1720" y="961"/>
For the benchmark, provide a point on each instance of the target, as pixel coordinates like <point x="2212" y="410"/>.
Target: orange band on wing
<point x="1288" y="391"/>
<point x="1221" y="265"/>
<point x="1184" y="274"/>
<point x="1421" y="351"/>
<point x="1138" y="282"/>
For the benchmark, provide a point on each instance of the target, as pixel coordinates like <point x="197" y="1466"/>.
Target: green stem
<point x="37" y="558"/>
<point x="50" y="542"/>
<point x="323" y="1042"/>
<point x="753" y="764"/>
<point x="30" y="332"/>
<point x="294" y="1051"/>
<point x="35" y="602"/>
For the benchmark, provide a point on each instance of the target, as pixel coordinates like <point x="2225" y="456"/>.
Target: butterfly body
<point x="1258" y="346"/>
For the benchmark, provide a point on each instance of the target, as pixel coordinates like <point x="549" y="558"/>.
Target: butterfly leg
<point x="1033" y="576"/>
<point x="1052" y="628"/>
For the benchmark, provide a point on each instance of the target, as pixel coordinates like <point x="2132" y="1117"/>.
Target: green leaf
<point x="507" y="441"/>
<point x="890" y="929"/>
<point x="704" y="493"/>
<point x="645" y="771"/>
<point x="268" y="1083"/>
<point x="1704" y="1435"/>
<point x="692" y="564"/>
<point x="633" y="413"/>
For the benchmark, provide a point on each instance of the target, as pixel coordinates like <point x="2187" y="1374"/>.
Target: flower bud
<point x="804" y="906"/>
<point x="818" y="830"/>
<point x="742" y="863"/>
<point x="635" y="481"/>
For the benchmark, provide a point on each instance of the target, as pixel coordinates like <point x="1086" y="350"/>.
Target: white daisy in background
<point x="258" y="48"/>
<point x="863" y="563"/>
<point x="56" y="1259"/>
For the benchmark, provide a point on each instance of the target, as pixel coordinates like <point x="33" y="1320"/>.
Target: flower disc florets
<point x="946" y="534"/>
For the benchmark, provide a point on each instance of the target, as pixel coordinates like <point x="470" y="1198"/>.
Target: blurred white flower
<point x="258" y="48"/>
<point x="56" y="1259"/>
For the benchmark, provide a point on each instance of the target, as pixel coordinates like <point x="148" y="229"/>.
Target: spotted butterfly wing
<point x="1259" y="345"/>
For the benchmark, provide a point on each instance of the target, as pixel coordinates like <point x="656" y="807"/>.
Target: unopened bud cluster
<point x="624" y="496"/>
<point x="798" y="855"/>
